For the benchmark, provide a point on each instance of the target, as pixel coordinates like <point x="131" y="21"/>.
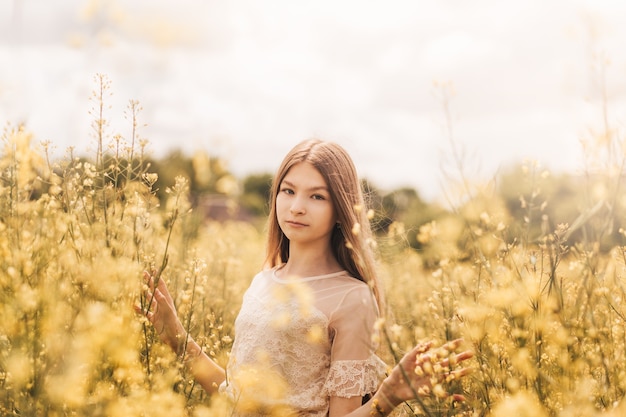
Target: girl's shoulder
<point x="343" y="288"/>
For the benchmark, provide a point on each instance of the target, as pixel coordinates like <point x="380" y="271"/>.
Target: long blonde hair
<point x="351" y="242"/>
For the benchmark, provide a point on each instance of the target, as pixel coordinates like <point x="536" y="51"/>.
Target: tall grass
<point x="75" y="237"/>
<point x="541" y="302"/>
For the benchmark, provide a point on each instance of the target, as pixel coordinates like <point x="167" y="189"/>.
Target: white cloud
<point x="263" y="75"/>
<point x="458" y="49"/>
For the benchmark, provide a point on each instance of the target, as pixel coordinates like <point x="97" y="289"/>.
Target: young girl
<point x="308" y="318"/>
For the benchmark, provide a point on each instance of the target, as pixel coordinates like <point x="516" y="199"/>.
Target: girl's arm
<point x="205" y="371"/>
<point x="401" y="385"/>
<point x="162" y="314"/>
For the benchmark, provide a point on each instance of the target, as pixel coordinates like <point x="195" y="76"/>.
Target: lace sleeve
<point x="350" y="378"/>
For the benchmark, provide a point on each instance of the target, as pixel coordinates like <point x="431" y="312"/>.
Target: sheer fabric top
<point x="300" y="341"/>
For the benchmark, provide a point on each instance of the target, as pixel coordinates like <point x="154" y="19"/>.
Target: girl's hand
<point x="425" y="370"/>
<point x="161" y="312"/>
<point x="159" y="309"/>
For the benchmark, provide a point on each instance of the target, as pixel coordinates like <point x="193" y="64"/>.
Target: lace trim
<point x="354" y="377"/>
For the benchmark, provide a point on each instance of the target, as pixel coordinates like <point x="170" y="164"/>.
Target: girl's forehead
<point x="304" y="173"/>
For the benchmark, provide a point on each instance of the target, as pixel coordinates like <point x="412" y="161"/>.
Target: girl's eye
<point x="318" y="197"/>
<point x="286" y="190"/>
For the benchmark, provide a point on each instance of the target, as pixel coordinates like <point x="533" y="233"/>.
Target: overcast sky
<point x="248" y="79"/>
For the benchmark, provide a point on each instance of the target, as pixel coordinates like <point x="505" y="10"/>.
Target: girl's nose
<point x="297" y="207"/>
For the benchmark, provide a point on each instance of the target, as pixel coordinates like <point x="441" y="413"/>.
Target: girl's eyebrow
<point x="316" y="188"/>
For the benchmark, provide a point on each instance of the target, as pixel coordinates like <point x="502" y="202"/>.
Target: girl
<point x="308" y="318"/>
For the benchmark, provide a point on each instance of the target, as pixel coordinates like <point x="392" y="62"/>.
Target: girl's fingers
<point x="161" y="286"/>
<point x="433" y="363"/>
<point x="465" y="355"/>
<point x="152" y="301"/>
<point x="453" y="344"/>
<point x="418" y="351"/>
<point x="427" y="366"/>
<point x="148" y="278"/>
<point x="446" y="362"/>
<point x="423" y="347"/>
<point x="463" y="371"/>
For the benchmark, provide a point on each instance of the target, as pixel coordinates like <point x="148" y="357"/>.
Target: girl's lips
<point x="296" y="224"/>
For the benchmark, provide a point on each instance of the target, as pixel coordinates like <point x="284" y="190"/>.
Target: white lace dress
<point x="298" y="342"/>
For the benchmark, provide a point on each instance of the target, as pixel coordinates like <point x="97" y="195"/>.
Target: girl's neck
<point x="309" y="264"/>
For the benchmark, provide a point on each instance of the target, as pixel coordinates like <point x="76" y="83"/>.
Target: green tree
<point x="256" y="194"/>
<point x="404" y="205"/>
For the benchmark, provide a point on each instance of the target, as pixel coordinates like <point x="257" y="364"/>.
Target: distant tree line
<point x="527" y="204"/>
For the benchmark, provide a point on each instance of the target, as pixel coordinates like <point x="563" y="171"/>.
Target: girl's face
<point x="304" y="209"/>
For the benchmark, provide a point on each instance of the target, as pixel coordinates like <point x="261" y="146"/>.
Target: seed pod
<point x="428" y="368"/>
<point x="439" y="391"/>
